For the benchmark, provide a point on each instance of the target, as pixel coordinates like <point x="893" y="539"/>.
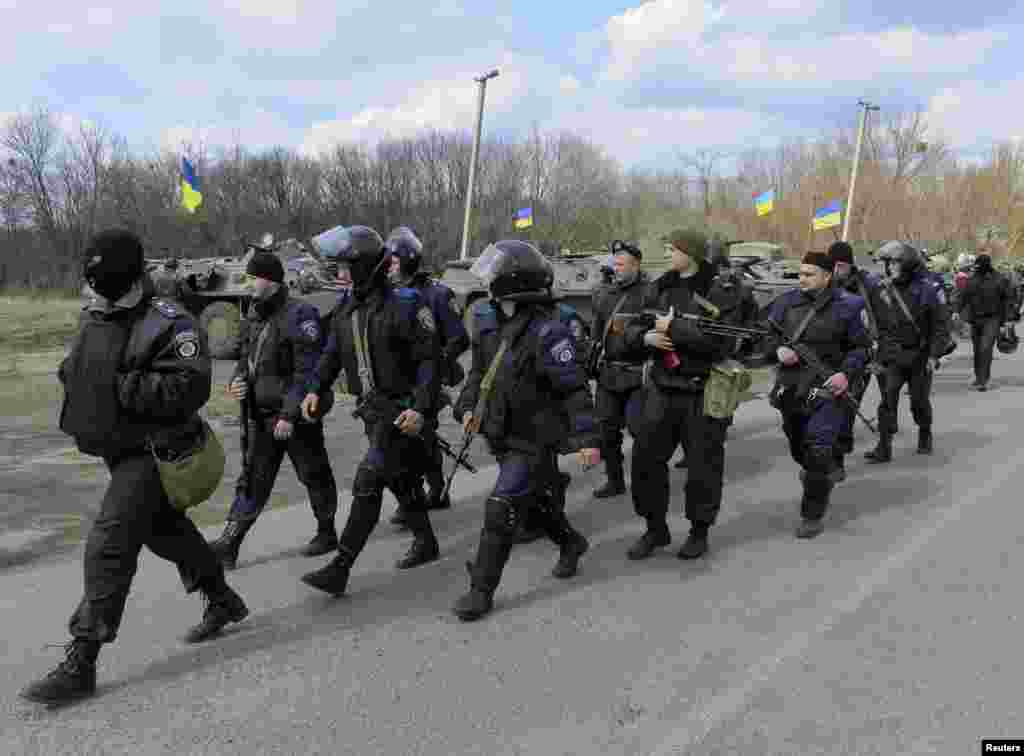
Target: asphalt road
<point x="896" y="631"/>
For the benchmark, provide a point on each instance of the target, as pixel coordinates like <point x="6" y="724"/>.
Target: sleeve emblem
<point x="563" y="351"/>
<point x="311" y="330"/>
<point x="186" y="345"/>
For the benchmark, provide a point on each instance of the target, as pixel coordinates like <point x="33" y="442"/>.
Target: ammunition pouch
<point x="191" y="476"/>
<point x="724" y="389"/>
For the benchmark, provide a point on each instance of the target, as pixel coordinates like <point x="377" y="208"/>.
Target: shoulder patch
<point x="563" y="352"/>
<point x="310" y="329"/>
<point x="426" y="319"/>
<point x="166" y="309"/>
<point x="186" y="345"/>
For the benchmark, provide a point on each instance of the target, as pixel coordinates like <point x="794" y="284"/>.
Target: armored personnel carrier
<point x="216" y="290"/>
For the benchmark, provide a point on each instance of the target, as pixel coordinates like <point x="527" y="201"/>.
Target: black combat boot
<point x="681" y="463"/>
<point x="324" y="542"/>
<point x="477" y="603"/>
<point x="422" y="550"/>
<point x="333" y="578"/>
<point x="223" y="606"/>
<point x="924" y="441"/>
<point x="657" y="535"/>
<point x="809" y="528"/>
<point x="696" y="543"/>
<point x="569" y="554"/>
<point x="230" y="541"/>
<point x="881" y="453"/>
<point x="74" y="678"/>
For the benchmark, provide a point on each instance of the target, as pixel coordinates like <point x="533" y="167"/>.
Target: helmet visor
<point x="486" y="266"/>
<point x="331" y="242"/>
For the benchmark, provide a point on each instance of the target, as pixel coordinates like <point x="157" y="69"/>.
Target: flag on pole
<point x="523" y="218"/>
<point x="191" y="197"/>
<point x="829" y="216"/>
<point x="764" y="203"/>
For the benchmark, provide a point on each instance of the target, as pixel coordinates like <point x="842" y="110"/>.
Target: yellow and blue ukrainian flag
<point x="523" y="218"/>
<point x="765" y="203"/>
<point x="829" y="216"/>
<point x="191" y="197"/>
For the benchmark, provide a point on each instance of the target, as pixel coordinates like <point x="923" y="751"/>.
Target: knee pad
<point x="369" y="480"/>
<point x="818" y="459"/>
<point x="501" y="515"/>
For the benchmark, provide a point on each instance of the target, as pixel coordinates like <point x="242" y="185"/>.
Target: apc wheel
<point x="222" y="322"/>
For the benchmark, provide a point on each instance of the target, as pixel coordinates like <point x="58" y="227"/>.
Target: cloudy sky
<point x="643" y="79"/>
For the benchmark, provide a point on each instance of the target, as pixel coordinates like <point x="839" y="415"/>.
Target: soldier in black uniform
<point x="280" y="348"/>
<point x="912" y="337"/>
<point x="618" y="377"/>
<point x="406" y="252"/>
<point x="988" y="304"/>
<point x="859" y="283"/>
<point x="827" y="321"/>
<point x="530" y="398"/>
<point x="386" y="341"/>
<point x="134" y="380"/>
<point x="680" y="357"/>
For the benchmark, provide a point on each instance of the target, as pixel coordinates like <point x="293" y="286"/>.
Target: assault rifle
<point x="709" y="326"/>
<point x="821" y="371"/>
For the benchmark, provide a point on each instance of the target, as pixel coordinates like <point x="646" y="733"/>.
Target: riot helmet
<point x="361" y="250"/>
<point x="514" y="270"/>
<point x="406" y="246"/>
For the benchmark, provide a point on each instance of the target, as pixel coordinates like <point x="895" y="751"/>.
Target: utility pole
<point x="867" y="106"/>
<point x="482" y="81"/>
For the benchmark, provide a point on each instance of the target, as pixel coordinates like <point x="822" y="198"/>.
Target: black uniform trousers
<point x="135" y="512"/>
<point x="919" y="380"/>
<point x="396" y="461"/>
<point x="662" y="419"/>
<point x="308" y="453"/>
<point x="611" y="407"/>
<point x="984" y="332"/>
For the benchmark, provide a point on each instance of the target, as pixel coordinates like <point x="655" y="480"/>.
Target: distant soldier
<point x="912" y="339"/>
<point x="134" y="381"/>
<point x="406" y="252"/>
<point x="849" y="277"/>
<point x="618" y="373"/>
<point x="827" y="321"/>
<point x="280" y="347"/>
<point x="987" y="304"/>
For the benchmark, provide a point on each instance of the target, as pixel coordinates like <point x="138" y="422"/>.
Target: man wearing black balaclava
<point x="986" y="303"/>
<point x="136" y="376"/>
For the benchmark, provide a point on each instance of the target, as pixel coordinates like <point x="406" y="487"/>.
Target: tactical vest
<point x="824" y="335"/>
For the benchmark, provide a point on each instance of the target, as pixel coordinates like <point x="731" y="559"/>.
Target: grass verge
<point x="34" y="323"/>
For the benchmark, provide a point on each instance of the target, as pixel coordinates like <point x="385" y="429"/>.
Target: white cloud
<point x="569" y="84"/>
<point x="636" y="35"/>
<point x="957" y="113"/>
<point x="444" y="104"/>
<point x="636" y="135"/>
<point x="256" y="130"/>
<point x="728" y="43"/>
